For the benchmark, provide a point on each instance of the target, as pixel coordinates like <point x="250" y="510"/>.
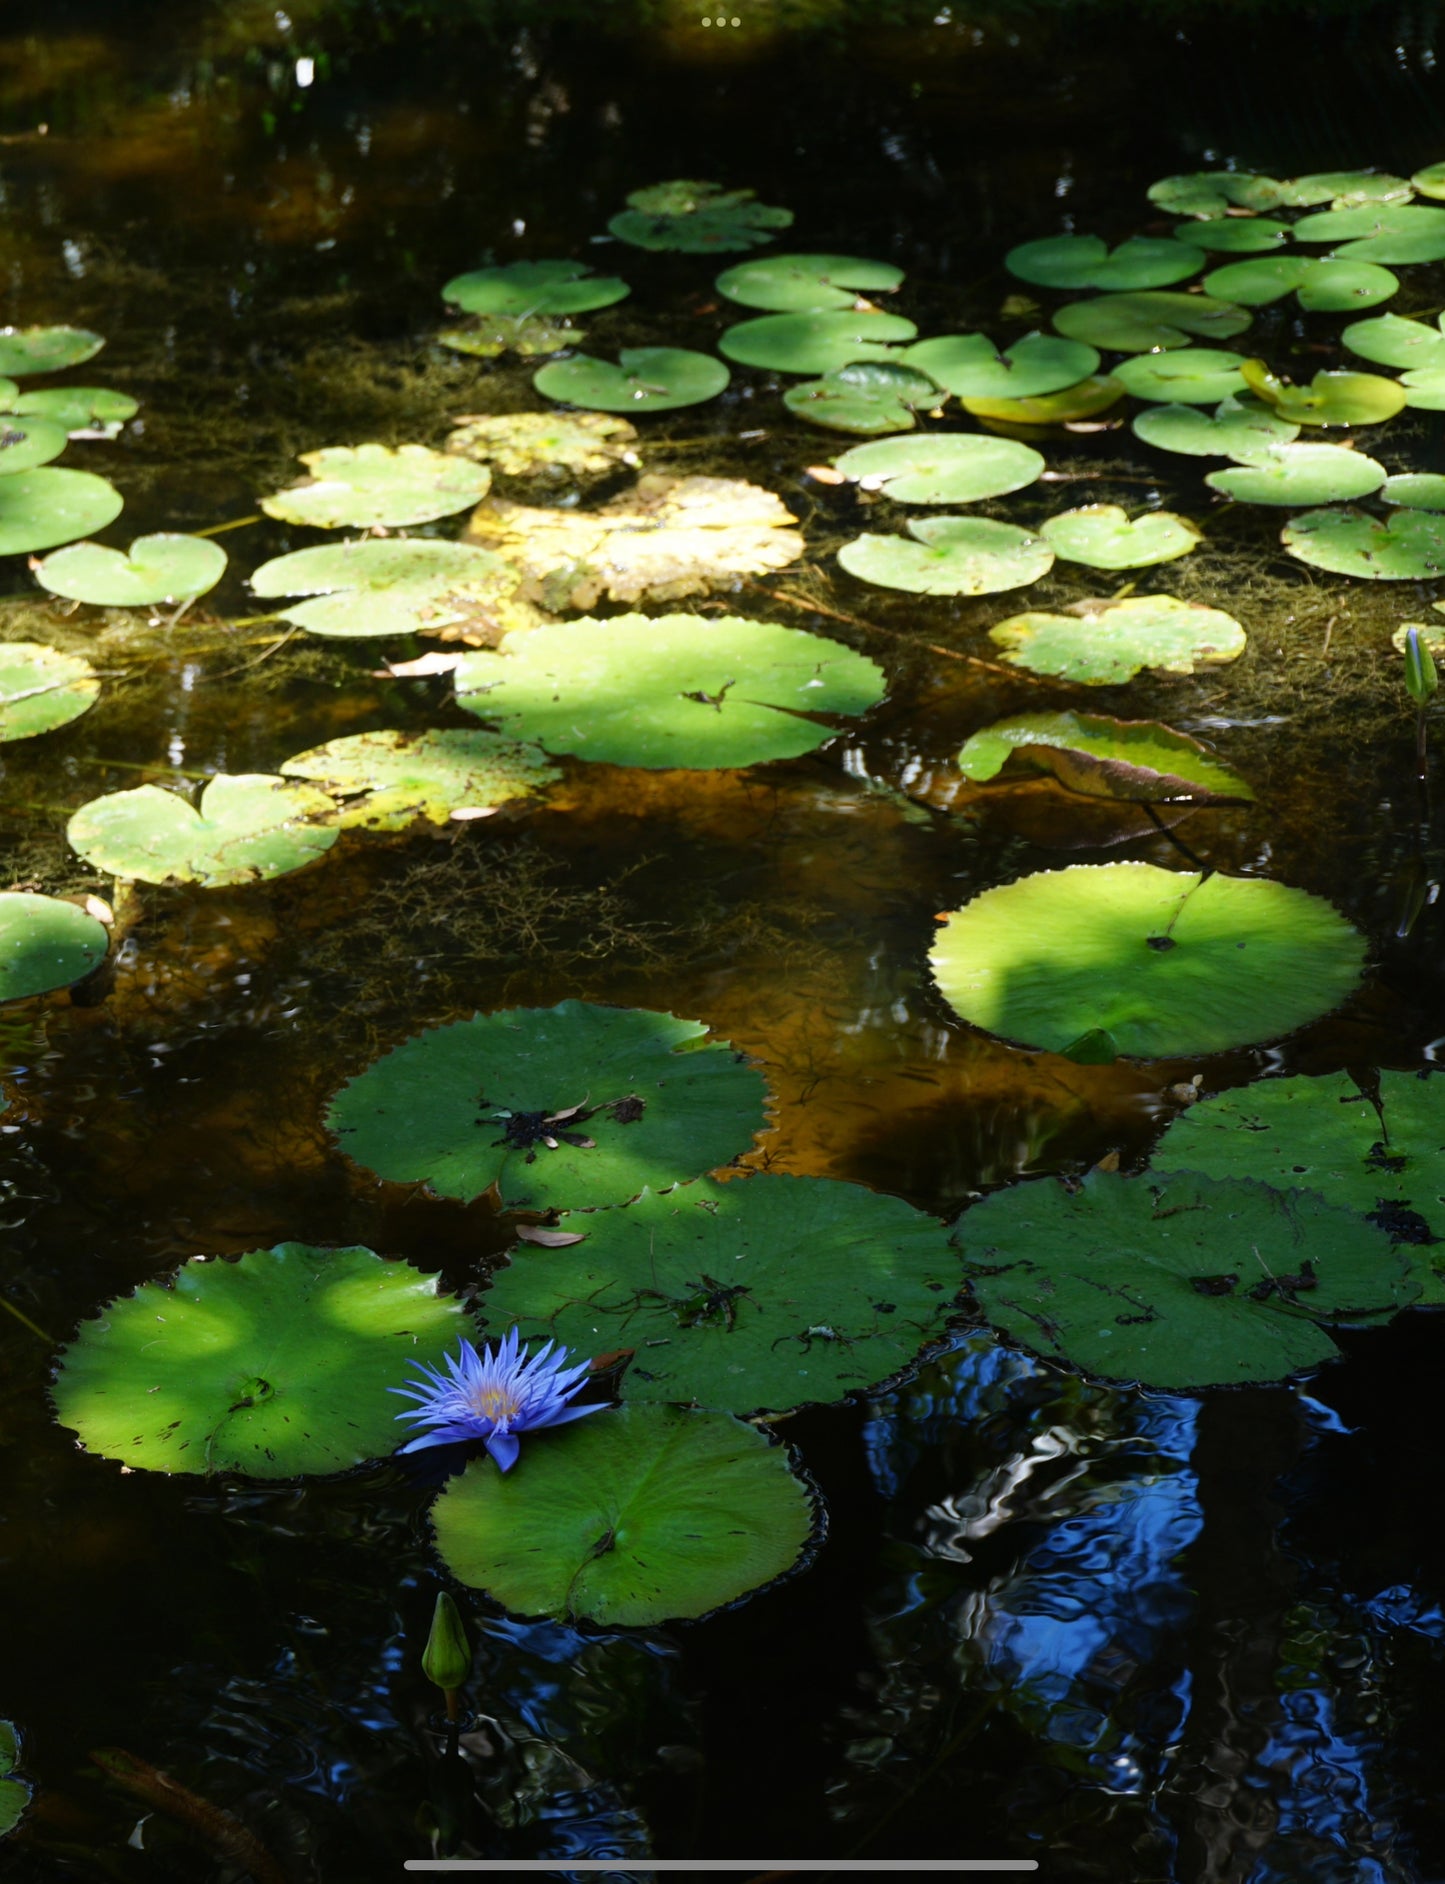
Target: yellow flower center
<point x="495" y="1403"/>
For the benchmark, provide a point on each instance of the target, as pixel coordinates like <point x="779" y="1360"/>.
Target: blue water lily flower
<point x="493" y="1396"/>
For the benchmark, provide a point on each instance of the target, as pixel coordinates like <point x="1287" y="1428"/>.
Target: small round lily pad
<point x="1137" y="761"/>
<point x="1344" y="189"/>
<point x="1105" y="537"/>
<point x="815" y="343"/>
<point x="248" y="827"/>
<point x="942" y="467"/>
<point x="697" y="218"/>
<point x="1324" y="285"/>
<point x="1234" y="235"/>
<point x="1391" y="340"/>
<point x="41" y="508"/>
<point x="1215" y="192"/>
<point x="950" y="556"/>
<point x="45" y="944"/>
<point x="1407" y="546"/>
<point x="1084" y="261"/>
<point x="168" y="567"/>
<point x="1148" y="321"/>
<point x="1329" y="399"/>
<point x="523" y="288"/>
<point x="27" y="442"/>
<point x="363" y="486"/>
<point x="868" y="397"/>
<point x="971" y="367"/>
<point x="45" y="349"/>
<point x="1299" y="474"/>
<point x="646" y="379"/>
<point x="485" y="336"/>
<point x="41" y="688"/>
<point x="1187" y="376"/>
<point x="1108" y="642"/>
<point x="797" y="283"/>
<point x="386" y="780"/>
<point x="1238" y="429"/>
<point x="80" y="411"/>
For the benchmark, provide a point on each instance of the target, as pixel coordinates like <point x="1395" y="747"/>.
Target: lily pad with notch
<point x="1382" y="233"/>
<point x="248" y="827"/>
<point x="1150" y="320"/>
<point x="369" y="486"/>
<point x="46" y="943"/>
<point x="1073" y="404"/>
<point x="486" y="336"/>
<point x="373" y="586"/>
<point x="815" y="343"/>
<point x="1408" y="546"/>
<point x="1104" y="536"/>
<point x="794" y="284"/>
<point x="971" y="367"/>
<point x="645" y="379"/>
<point x="80" y="411"/>
<point x="1299" y="474"/>
<point x="1085" y="261"/>
<point x="697" y="218"/>
<point x="519" y="289"/>
<point x="27" y="442"/>
<point x="1213" y="193"/>
<point x="1189" y="376"/>
<point x="1392" y="340"/>
<point x="42" y="688"/>
<point x="950" y="556"/>
<point x="1331" y="398"/>
<point x="166" y="567"/>
<point x="386" y="780"/>
<point x="942" y="467"/>
<point x="1239" y="429"/>
<point x="1137" y="761"/>
<point x="869" y="397"/>
<point x="1322" y="284"/>
<point x="1234" y="235"/>
<point x="1102" y="642"/>
<point x="25" y="350"/>
<point x="50" y="505"/>
<point x="1344" y="189"/>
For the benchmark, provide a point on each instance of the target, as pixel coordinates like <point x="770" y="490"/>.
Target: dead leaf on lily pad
<point x="546" y="444"/>
<point x="670" y="537"/>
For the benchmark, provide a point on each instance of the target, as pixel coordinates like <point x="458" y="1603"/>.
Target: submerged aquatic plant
<point x="494" y="1396"/>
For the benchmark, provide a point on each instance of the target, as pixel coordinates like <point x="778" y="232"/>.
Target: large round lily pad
<point x="1187" y="1283"/>
<point x="815" y="343"/>
<point x="168" y="567"/>
<point x="564" y="1107"/>
<point x="1105" y="537"/>
<point x="1189" y="376"/>
<point x="1103" y="642"/>
<point x="546" y="444"/>
<point x="1149" y="320"/>
<point x="1331" y="398"/>
<point x="1138" y="761"/>
<point x="523" y="288"/>
<point x="25" y="443"/>
<point x="670" y="690"/>
<point x="41" y="688"/>
<point x="1215" y="192"/>
<point x="950" y="556"/>
<point x="45" y="944"/>
<point x="942" y="467"/>
<point x="45" y="349"/>
<point x="41" y="508"/>
<point x="249" y="826"/>
<point x="971" y="367"/>
<point x="628" y="1519"/>
<point x="1408" y="546"/>
<point x="271" y="1365"/>
<point x="1299" y="474"/>
<point x="764" y="1293"/>
<point x="1239" y="429"/>
<point x="1084" y="261"/>
<point x="646" y="379"/>
<point x="868" y="397"/>
<point x="1125" y="958"/>
<point x="1324" y="285"/>
<point x="386" y="780"/>
<point x="797" y="283"/>
<point x="362" y="486"/>
<point x="387" y="586"/>
<point x="697" y="218"/>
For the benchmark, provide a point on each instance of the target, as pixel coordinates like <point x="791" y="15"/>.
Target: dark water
<point x="1131" y="1635"/>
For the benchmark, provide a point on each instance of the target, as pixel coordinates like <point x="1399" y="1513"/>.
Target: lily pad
<point x="533" y="444"/>
<point x="1238" y="429"/>
<point x="1215" y="192"/>
<point x="560" y="1108"/>
<point x="1188" y="1283"/>
<point x="1105" y="537"/>
<point x="1299" y="474"/>
<point x="971" y="367"/>
<point x="697" y="219"/>
<point x="1417" y="490"/>
<point x="14" y="1793"/>
<point x="1424" y="388"/>
<point x="1085" y="401"/>
<point x="45" y="349"/>
<point x="869" y="397"/>
<point x="1187" y="376"/>
<point x="41" y="688"/>
<point x="767" y="1293"/>
<point x="363" y="486"/>
<point x="627" y="1520"/>
<point x="1344" y="189"/>
<point x="274" y="1364"/>
<point x="1084" y="261"/>
<point x="1323" y="285"/>
<point x="41" y="508"/>
<point x="394" y="586"/>
<point x="1125" y="958"/>
<point x="647" y="379"/>
<point x="815" y="343"/>
<point x="249" y="827"/>
<point x="80" y="411"/>
<point x="670" y="690"/>
<point x="1406" y="547"/>
<point x="386" y="780"/>
<point x="942" y="468"/>
<point x="1430" y="181"/>
<point x="519" y="289"/>
<point x="796" y="283"/>
<point x="1148" y="321"/>
<point x="25" y="443"/>
<point x="1391" y="340"/>
<point x="1104" y="642"/>
<point x="168" y="567"/>
<point x="1329" y="399"/>
<point x="45" y="944"/>
<point x="1138" y="761"/>
<point x="950" y="556"/>
<point x="1236" y="235"/>
<point x="1380" y="233"/>
<point x="486" y="336"/>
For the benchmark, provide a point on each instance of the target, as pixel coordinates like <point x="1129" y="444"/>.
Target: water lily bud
<point x="447" y="1658"/>
<point x="1421" y="680"/>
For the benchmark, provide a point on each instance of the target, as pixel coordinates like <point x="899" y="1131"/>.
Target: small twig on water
<point x="23" y="1318"/>
<point x="265" y="654"/>
<point x="236" y="523"/>
<point x="876" y="628"/>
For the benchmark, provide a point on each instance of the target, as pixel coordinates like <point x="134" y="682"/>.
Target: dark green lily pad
<point x="1239" y="429"/>
<point x="519" y="289"/>
<point x="815" y="343"/>
<point x="45" y="944"/>
<point x="950" y="556"/>
<point x="1085" y="401"/>
<point x="363" y="486"/>
<point x="168" y="567"/>
<point x="1299" y="474"/>
<point x="1234" y="235"/>
<point x="670" y="690"/>
<point x="385" y="585"/>
<point x="249" y="827"/>
<point x="697" y="219"/>
<point x="1391" y="340"/>
<point x="1105" y="537"/>
<point x="14" y="1793"/>
<point x="1188" y="1283"/>
<point x="793" y="284"/>
<point x="1138" y="761"/>
<point x="1417" y="490"/>
<point x="80" y="411"/>
<point x="1386" y="233"/>
<point x="272" y="1365"/>
<point x="1329" y="399"/>
<point x="1406" y="547"/>
<point x="1148" y="321"/>
<point x="1157" y="963"/>
<point x="942" y="467"/>
<point x="25" y="443"/>
<point x="1198" y="376"/>
<point x="1323" y="285"/>
<point x="1215" y="192"/>
<point x="41" y="508"/>
<point x="486" y="336"/>
<point x="1344" y="189"/>
<point x="971" y="367"/>
<point x="761" y="1293"/>
<point x="628" y="1519"/>
<point x="646" y="379"/>
<point x="1084" y="261"/>
<point x="1104" y="642"/>
<point x="387" y="780"/>
<point x="869" y="397"/>
<point x="41" y="688"/>
<point x="45" y="349"/>
<point x="628" y="1098"/>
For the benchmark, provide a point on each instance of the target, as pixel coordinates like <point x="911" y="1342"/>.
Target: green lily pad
<point x="971" y="367"/>
<point x="1239" y="429"/>
<point x="1344" y="189"/>
<point x="1138" y="761"/>
<point x="272" y="1365"/>
<point x="1323" y="285"/>
<point x="168" y="567"/>
<point x="950" y="556"/>
<point x="363" y="486"/>
<point x="1234" y="235"/>
<point x="45" y="944"/>
<point x="1105" y="537"/>
<point x="1085" y="401"/>
<point x="532" y="444"/>
<point x="519" y="289"/>
<point x="25" y="443"/>
<point x="870" y="396"/>
<point x="815" y="343"/>
<point x="755" y="1294"/>
<point x="1105" y="642"/>
<point x="14" y="1793"/>
<point x="1406" y="547"/>
<point x="1324" y="1135"/>
<point x="386" y="780"/>
<point x="670" y="690"/>
<point x="1430" y="181"/>
<point x="1158" y="963"/>
<point x="628" y="1519"/>
<point x="1391" y="340"/>
<point x="41" y="508"/>
<point x="1417" y="490"/>
<point x="1383" y="233"/>
<point x="1198" y="376"/>
<point x="627" y="1098"/>
<point x="486" y="336"/>
<point x="1424" y="388"/>
<point x="385" y="585"/>
<point x="942" y="468"/>
<point x="1299" y="474"/>
<point x="1146" y="322"/>
<point x="41" y="688"/>
<point x="249" y="827"/>
<point x="697" y="219"/>
<point x="1084" y="261"/>
<point x="796" y="283"/>
<point x="45" y="349"/>
<point x="647" y="379"/>
<point x="1215" y="192"/>
<point x="80" y="411"/>
<point x="1184" y="1284"/>
<point x="1329" y="399"/>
